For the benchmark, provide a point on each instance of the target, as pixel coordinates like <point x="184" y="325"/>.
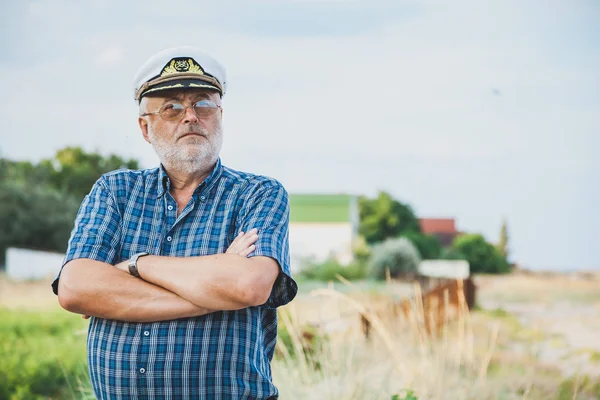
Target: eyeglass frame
<point x="217" y="107"/>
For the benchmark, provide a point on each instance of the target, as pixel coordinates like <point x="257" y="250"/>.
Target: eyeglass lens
<point x="173" y="111"/>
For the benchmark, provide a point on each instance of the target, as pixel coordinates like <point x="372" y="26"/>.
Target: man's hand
<point x="243" y="244"/>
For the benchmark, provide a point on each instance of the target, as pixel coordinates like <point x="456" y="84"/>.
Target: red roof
<point x="437" y="225"/>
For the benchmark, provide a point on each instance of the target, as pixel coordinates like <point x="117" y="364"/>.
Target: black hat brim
<point x="180" y="84"/>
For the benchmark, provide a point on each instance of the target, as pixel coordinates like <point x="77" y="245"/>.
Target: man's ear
<point x="143" y="122"/>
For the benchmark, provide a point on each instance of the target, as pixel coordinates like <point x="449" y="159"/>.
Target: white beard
<point x="189" y="155"/>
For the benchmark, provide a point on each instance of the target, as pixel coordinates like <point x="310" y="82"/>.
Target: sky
<point x="473" y="110"/>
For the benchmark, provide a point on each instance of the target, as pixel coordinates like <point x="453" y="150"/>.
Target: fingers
<point x="249" y="238"/>
<point x="246" y="252"/>
<point x="85" y="316"/>
<point x="244" y="240"/>
<point x="241" y="244"/>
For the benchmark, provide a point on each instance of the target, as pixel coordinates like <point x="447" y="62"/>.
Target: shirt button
<point x="170" y="208"/>
<point x="169" y="238"/>
<point x="146" y="333"/>
<point x="142" y="370"/>
<point x="202" y="198"/>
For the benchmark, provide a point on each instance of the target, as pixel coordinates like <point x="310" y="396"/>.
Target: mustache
<point x="193" y="129"/>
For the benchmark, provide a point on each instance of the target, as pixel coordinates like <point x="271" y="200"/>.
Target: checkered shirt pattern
<point x="222" y="355"/>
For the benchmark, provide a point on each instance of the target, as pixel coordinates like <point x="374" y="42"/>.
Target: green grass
<point x="579" y="387"/>
<point x="498" y="313"/>
<point x="330" y="269"/>
<point x="366" y="286"/>
<point x="42" y="355"/>
<point x="320" y="208"/>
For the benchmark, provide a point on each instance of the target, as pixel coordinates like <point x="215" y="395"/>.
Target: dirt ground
<point x="564" y="309"/>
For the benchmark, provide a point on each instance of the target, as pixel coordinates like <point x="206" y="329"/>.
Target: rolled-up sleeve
<point x="96" y="234"/>
<point x="268" y="211"/>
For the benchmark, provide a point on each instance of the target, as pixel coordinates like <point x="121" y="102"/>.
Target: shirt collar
<point x="164" y="183"/>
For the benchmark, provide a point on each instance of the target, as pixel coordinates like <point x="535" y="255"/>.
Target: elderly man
<point x="180" y="267"/>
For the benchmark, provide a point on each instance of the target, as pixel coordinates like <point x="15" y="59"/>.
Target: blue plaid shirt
<point x="222" y="355"/>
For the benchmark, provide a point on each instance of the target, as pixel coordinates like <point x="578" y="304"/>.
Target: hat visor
<point x="180" y="84"/>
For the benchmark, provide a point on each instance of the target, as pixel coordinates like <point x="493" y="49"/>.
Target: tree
<point x="502" y="245"/>
<point x="74" y="171"/>
<point x="38" y="202"/>
<point x="35" y="217"/>
<point x="429" y="246"/>
<point x="450" y="253"/>
<point x="481" y="255"/>
<point x="23" y="172"/>
<point x="384" y="217"/>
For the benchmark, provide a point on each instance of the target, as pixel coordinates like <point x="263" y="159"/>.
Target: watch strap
<point x="133" y="269"/>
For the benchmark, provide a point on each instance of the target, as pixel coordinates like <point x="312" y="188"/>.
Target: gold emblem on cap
<point x="182" y="65"/>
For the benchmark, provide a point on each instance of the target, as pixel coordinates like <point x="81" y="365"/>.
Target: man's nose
<point x="190" y="115"/>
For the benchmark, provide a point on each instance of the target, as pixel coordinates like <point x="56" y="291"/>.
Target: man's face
<point x="189" y="143"/>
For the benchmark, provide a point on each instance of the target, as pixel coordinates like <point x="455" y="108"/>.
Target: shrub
<point x="398" y="255"/>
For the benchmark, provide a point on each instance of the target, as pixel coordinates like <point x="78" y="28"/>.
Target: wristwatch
<point x="133" y="270"/>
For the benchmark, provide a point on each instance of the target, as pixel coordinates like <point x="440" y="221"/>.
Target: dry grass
<point x="482" y="355"/>
<point x="34" y="295"/>
<point x="492" y="353"/>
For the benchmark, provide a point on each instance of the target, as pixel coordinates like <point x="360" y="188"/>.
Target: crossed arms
<point x="172" y="287"/>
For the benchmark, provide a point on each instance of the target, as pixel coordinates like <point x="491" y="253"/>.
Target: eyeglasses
<point x="175" y="111"/>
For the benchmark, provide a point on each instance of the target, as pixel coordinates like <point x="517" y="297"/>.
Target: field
<point x="532" y="336"/>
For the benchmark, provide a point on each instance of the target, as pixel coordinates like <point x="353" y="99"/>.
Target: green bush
<point x="329" y="270"/>
<point x="429" y="246"/>
<point x="405" y="395"/>
<point x="481" y="255"/>
<point x="398" y="255"/>
<point x="41" y="355"/>
<point x="450" y="253"/>
<point x="361" y="250"/>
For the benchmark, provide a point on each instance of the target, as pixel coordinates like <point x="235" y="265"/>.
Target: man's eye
<point x="204" y="103"/>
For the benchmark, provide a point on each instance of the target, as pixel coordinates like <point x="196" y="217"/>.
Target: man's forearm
<point x="218" y="282"/>
<point x="101" y="290"/>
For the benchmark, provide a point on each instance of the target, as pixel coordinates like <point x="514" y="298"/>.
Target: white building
<point x="445" y="269"/>
<point x="32" y="264"/>
<point x="322" y="226"/>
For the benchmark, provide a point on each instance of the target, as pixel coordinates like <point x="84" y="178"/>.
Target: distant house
<point x="24" y="264"/>
<point x="444" y="229"/>
<point x="322" y="226"/>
